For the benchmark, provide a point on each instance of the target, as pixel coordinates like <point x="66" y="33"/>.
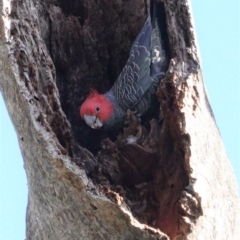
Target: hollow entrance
<point x="141" y="165"/>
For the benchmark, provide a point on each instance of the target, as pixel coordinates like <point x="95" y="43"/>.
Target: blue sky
<point x="218" y="30"/>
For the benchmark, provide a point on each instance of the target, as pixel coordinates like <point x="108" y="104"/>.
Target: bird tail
<point x="158" y="38"/>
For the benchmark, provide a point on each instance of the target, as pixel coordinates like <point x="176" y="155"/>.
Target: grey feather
<point x="138" y="80"/>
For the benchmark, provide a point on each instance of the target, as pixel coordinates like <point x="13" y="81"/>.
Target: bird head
<point x="96" y="109"/>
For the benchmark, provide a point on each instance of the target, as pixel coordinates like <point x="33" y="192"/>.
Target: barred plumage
<point x="140" y="77"/>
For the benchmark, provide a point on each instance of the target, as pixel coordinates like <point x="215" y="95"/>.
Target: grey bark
<point x="51" y="53"/>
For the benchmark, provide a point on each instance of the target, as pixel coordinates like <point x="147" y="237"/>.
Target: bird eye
<point x="97" y="109"/>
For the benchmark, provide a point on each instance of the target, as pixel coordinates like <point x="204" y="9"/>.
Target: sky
<point x="217" y="25"/>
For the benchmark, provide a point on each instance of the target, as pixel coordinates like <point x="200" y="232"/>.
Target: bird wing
<point x="134" y="79"/>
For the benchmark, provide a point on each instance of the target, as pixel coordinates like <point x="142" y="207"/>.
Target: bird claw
<point x="126" y="122"/>
<point x="133" y="116"/>
<point x="134" y="112"/>
<point x="137" y="115"/>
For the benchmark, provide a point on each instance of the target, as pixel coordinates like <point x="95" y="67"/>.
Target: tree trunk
<point x="174" y="182"/>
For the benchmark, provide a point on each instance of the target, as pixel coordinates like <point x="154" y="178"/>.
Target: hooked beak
<point x="93" y="121"/>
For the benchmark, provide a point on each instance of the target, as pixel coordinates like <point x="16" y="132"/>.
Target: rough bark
<point x="175" y="180"/>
